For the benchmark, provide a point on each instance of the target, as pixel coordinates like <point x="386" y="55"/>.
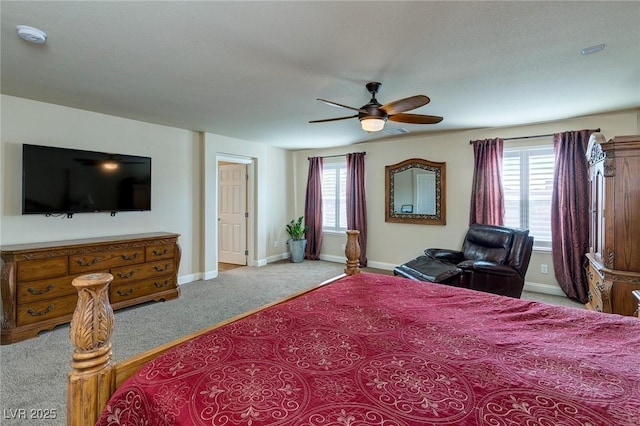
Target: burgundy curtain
<point x="356" y="201"/>
<point x="570" y="212"/>
<point x="313" y="209"/>
<point x="487" y="196"/>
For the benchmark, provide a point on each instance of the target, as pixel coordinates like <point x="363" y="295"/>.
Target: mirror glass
<point x="415" y="192"/>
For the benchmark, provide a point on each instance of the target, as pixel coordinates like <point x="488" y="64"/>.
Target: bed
<point x="366" y="349"/>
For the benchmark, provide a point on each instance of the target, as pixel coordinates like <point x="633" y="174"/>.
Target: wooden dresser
<point x="613" y="271"/>
<point x="36" y="278"/>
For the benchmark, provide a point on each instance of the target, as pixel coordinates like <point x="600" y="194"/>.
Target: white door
<point x="232" y="213"/>
<point x="425" y="186"/>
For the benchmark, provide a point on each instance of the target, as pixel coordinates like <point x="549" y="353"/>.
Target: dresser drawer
<point x="595" y="301"/>
<point x="140" y="272"/>
<point x="103" y="260"/>
<point x="593" y="282"/>
<point x="43" y="310"/>
<point x="30" y="270"/>
<point x="160" y="252"/>
<point x="33" y="291"/>
<point x="126" y="291"/>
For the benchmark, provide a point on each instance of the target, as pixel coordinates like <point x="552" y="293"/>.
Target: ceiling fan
<point x="373" y="115"/>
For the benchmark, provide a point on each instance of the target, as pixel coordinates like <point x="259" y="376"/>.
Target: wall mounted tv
<point x="61" y="180"/>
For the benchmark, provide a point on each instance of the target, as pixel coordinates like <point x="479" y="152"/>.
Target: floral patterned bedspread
<point x="381" y="350"/>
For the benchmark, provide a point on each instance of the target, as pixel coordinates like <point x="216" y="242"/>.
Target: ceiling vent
<point x="398" y="131"/>
<point x="592" y="49"/>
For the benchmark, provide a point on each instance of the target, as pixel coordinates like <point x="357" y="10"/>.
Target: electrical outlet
<point x="544" y="269"/>
<point x="275" y="244"/>
<point x="344" y="246"/>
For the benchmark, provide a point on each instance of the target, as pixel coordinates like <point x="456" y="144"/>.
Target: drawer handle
<point x="81" y="262"/>
<point x="42" y="312"/>
<point x="161" y="268"/>
<point x="132" y="257"/>
<point x="36" y="292"/>
<point x="599" y="286"/>
<point x="126" y="275"/>
<point x="161" y="285"/>
<point x="125" y="293"/>
<point x="159" y="252"/>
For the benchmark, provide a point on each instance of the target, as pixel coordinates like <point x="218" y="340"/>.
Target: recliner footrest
<point x="426" y="269"/>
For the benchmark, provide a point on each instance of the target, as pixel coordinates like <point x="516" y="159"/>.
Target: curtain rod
<point x="531" y="137"/>
<point x="523" y="137"/>
<point x="338" y="155"/>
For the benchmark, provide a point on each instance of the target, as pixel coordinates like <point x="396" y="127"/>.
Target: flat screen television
<point x="60" y="180"/>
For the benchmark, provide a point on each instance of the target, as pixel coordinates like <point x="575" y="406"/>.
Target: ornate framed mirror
<point x="415" y="192"/>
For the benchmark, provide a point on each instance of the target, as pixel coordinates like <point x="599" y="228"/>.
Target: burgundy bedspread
<point x="381" y="350"/>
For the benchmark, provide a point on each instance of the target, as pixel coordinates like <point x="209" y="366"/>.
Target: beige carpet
<point x="33" y="373"/>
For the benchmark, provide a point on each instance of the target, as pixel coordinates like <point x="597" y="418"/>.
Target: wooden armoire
<point x="613" y="270"/>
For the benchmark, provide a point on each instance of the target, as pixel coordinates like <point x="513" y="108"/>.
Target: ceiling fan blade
<point x="333" y="119"/>
<point x="415" y="118"/>
<point x="342" y="106"/>
<point x="406" y="104"/>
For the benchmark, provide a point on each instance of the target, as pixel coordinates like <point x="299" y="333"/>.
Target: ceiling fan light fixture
<point x="372" y="124"/>
<point x="31" y="34"/>
<point x="373" y="115"/>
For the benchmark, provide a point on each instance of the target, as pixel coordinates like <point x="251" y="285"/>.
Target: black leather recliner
<point x="493" y="259"/>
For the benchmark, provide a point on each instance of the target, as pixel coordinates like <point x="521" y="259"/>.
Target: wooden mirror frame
<point x="439" y="218"/>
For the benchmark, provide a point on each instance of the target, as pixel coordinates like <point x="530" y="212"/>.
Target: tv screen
<point x="60" y="180"/>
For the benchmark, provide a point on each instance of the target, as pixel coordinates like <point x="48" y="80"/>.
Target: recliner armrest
<point x="487" y="267"/>
<point x="445" y="255"/>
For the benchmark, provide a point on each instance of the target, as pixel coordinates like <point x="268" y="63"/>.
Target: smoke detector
<point x="30" y="34"/>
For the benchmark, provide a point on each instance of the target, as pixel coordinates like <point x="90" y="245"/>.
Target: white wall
<point x="175" y="186"/>
<point x="184" y="195"/>
<point x="390" y="244"/>
<point x="268" y="199"/>
<point x="184" y="182"/>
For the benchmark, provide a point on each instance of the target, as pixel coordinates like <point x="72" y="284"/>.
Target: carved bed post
<point x="352" y="252"/>
<point x="91" y="380"/>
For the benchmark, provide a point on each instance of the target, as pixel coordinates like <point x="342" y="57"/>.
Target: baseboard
<point x="184" y="279"/>
<point x="209" y="275"/>
<point x="258" y="262"/>
<point x="276" y="258"/>
<point x="335" y="259"/>
<point x="370" y="264"/>
<point x="381" y="265"/>
<point x="543" y="288"/>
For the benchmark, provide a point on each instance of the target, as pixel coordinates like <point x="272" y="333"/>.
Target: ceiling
<point x="253" y="70"/>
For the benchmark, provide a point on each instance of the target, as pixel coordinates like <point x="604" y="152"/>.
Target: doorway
<point x="233" y="213"/>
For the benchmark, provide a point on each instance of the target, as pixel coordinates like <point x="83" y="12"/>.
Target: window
<point x="527" y="179"/>
<point x="334" y="197"/>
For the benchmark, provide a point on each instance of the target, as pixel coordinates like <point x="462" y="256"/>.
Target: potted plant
<point x="297" y="243"/>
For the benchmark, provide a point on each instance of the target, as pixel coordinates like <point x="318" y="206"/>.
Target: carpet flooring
<point x="33" y="373"/>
